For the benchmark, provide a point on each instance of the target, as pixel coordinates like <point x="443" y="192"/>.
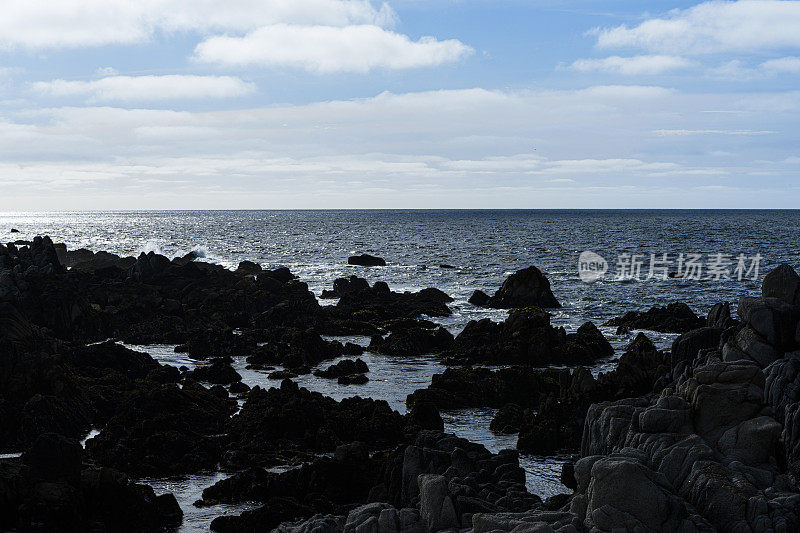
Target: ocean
<point x="712" y="249"/>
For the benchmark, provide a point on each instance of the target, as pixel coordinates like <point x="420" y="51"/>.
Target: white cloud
<point x="713" y="27"/>
<point x="329" y="49"/>
<point x="631" y="66"/>
<point x="789" y="65"/>
<point x="679" y="132"/>
<point x="78" y="23"/>
<point x="148" y="88"/>
<point x="476" y="148"/>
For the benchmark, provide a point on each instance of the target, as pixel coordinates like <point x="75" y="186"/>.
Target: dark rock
<point x="282" y="374"/>
<point x="674" y="318"/>
<point x="479" y="298"/>
<point x="239" y="388"/>
<point x="366" y="260"/>
<point x="219" y="372"/>
<point x="292" y="420"/>
<point x="294" y="348"/>
<point x="378" y="304"/>
<point x="345" y="367"/>
<point x="719" y="316"/>
<point x="163" y="430"/>
<point x="412" y="341"/>
<point x="687" y="346"/>
<point x="526" y="337"/>
<point x="782" y="282"/>
<point x="445" y="266"/>
<point x="14" y="230"/>
<point x="53" y="457"/>
<point x="249" y="268"/>
<point x="352" y="349"/>
<point x="353" y="379"/>
<point x="508" y="419"/>
<point x="424" y="415"/>
<point x="525" y="288"/>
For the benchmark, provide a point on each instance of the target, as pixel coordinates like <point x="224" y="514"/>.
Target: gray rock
<point x="752" y="442"/>
<point x="748" y="344"/>
<point x="782" y="282"/>
<point x="719" y="316"/>
<point x="773" y="319"/>
<point x="318" y="523"/>
<point x="625" y="493"/>
<point x="436" y="505"/>
<point x="688" y="345"/>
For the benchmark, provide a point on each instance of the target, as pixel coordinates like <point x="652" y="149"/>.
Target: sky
<point x="251" y="104"/>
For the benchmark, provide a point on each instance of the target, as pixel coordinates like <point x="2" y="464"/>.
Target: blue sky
<point x="409" y="103"/>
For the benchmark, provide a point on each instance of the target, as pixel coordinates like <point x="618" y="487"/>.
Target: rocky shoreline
<point x="703" y="437"/>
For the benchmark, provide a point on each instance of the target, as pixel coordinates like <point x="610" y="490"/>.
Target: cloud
<point x="789" y="65"/>
<point x="147" y="88"/>
<point x="80" y="23"/>
<point x="713" y="27"/>
<point x="451" y="148"/>
<point x="329" y="49"/>
<point x="665" y="133"/>
<point x="631" y="66"/>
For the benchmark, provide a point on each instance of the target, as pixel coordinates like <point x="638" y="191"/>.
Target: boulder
<point x="772" y="319"/>
<point x="436" y="505"/>
<point x="479" y="298"/>
<point x="366" y="260"/>
<point x="782" y="282"/>
<point x="674" y="318"/>
<point x="525" y="288"/>
<point x="345" y="367"/>
<point x="688" y="345"/>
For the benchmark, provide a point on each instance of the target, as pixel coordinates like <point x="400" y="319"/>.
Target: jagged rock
<point x="292" y="420"/>
<point x="366" y="260"/>
<point x="424" y="415"/>
<point x="525" y="288"/>
<point x="782" y="282"/>
<point x="772" y="319"/>
<point x="719" y="316"/>
<point x="479" y="298"/>
<point x="346" y="286"/>
<point x="345" y="367"/>
<point x="688" y="345"/>
<point x="436" y="505"/>
<point x="219" y="372"/>
<point x="163" y="429"/>
<point x="747" y="344"/>
<point x="412" y="341"/>
<point x="352" y="379"/>
<point x="526" y="337"/>
<point x="509" y="419"/>
<point x="623" y="493"/>
<point x="249" y="268"/>
<point x="378" y="304"/>
<point x="674" y="318"/>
